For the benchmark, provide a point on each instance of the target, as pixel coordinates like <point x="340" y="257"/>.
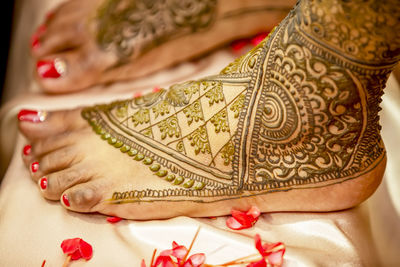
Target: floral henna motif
<point x="129" y="27"/>
<point x="292" y="113"/>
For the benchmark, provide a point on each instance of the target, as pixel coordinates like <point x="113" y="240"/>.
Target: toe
<point x="73" y="70"/>
<point x="57" y="160"/>
<point x="53" y="40"/>
<point x="39" y="124"/>
<point x="63" y="28"/>
<point x="54" y="184"/>
<point x="83" y="197"/>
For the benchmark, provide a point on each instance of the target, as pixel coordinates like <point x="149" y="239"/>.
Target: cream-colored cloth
<point x="32" y="229"/>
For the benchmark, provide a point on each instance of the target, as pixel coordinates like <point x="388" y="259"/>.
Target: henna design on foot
<point x="298" y="111"/>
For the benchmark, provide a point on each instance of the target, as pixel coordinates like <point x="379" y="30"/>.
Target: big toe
<point x="72" y="70"/>
<point x="41" y="124"/>
<point x="84" y="197"/>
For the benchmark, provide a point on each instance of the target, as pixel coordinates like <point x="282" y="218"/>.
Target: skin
<point x="290" y="126"/>
<point x="91" y="36"/>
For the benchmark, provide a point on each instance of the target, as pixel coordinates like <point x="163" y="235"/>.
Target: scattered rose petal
<point x="77" y="248"/>
<point x="238" y="45"/>
<point x="156" y="89"/>
<point x="43" y="263"/>
<point x="196" y="260"/>
<point x="165" y="261"/>
<point x="242" y="220"/>
<point x="260" y="263"/>
<point x="273" y="252"/>
<point x="113" y="219"/>
<point x="137" y="94"/>
<point x="258" y="38"/>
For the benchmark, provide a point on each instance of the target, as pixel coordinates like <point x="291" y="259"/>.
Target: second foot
<point x="82" y="44"/>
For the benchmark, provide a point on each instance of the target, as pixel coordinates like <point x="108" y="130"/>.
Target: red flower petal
<point x="85" y="249"/>
<point x="179" y="252"/>
<point x="234" y="224"/>
<point x="113" y="219"/>
<point x="69" y="246"/>
<point x="259" y="245"/>
<point x="254" y="212"/>
<point x="273" y="252"/>
<point x="196" y="260"/>
<point x="77" y="248"/>
<point x="260" y="263"/>
<point x="143" y="264"/>
<point x="238" y="45"/>
<point x="258" y="38"/>
<point x="165" y="261"/>
<point x="242" y="220"/>
<point x="276" y="258"/>
<point x="174" y="244"/>
<point x="43" y="263"/>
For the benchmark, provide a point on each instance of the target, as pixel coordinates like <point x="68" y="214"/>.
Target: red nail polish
<point x="65" y="200"/>
<point x="32" y="115"/>
<point x="49" y="15"/>
<point x="43" y="183"/>
<point x="35" y="43"/>
<point x="27" y="150"/>
<point x="35" y="166"/>
<point x="47" y="69"/>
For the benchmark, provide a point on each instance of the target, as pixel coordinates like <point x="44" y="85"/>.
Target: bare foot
<point x="83" y="43"/>
<point x="290" y="126"/>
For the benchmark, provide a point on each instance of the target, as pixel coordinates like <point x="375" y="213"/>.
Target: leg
<point x="290" y="126"/>
<point x="84" y="43"/>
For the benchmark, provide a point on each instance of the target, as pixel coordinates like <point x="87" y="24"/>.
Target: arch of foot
<point x="183" y="134"/>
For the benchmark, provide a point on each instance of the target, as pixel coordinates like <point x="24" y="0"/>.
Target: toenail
<point x="65" y="200"/>
<point x="49" y="15"/>
<point x="32" y="115"/>
<point x="35" y="43"/>
<point x="51" y="68"/>
<point x="27" y="150"/>
<point x="35" y="166"/>
<point x="43" y="183"/>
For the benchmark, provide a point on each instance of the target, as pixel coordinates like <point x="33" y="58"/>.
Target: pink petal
<point x="143" y="264"/>
<point x="259" y="245"/>
<point x="240" y="216"/>
<point x="197" y="259"/>
<point x="234" y="224"/>
<point x="113" y="219"/>
<point x="276" y="257"/>
<point x="179" y="252"/>
<point x="260" y="263"/>
<point x="85" y="249"/>
<point x="165" y="261"/>
<point x="174" y="244"/>
<point x="167" y="252"/>
<point x="241" y="220"/>
<point x="254" y="212"/>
